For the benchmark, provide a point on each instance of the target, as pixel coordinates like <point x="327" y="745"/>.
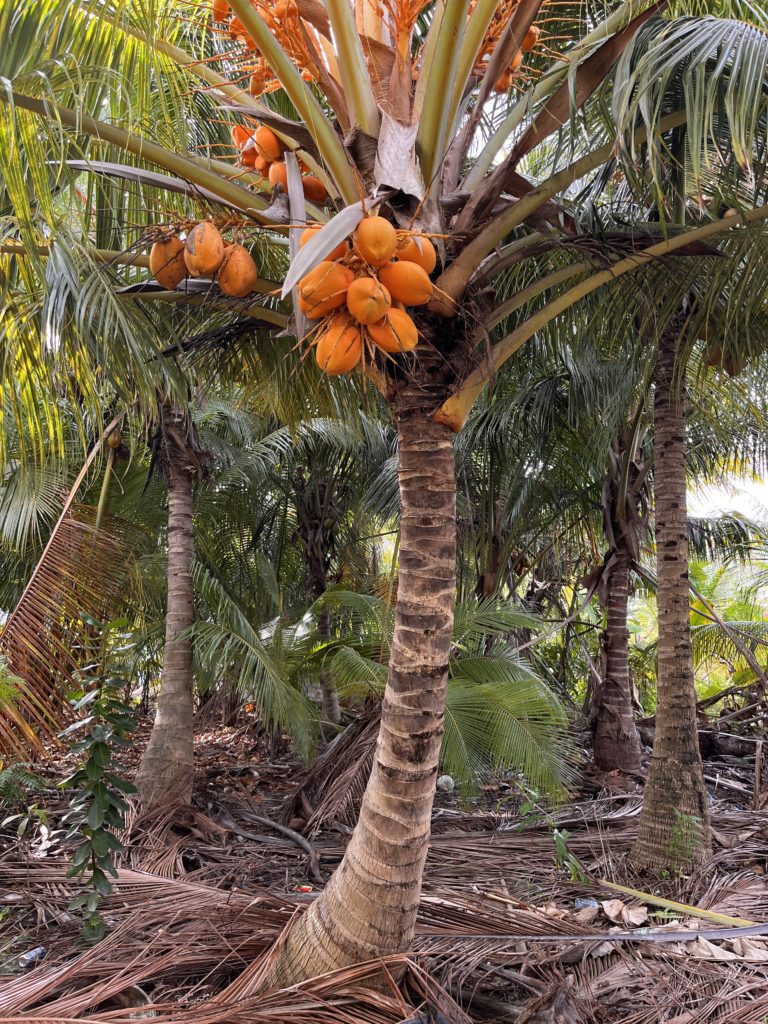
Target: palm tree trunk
<point x="167" y="767"/>
<point x="616" y="743"/>
<point x="368" y="908"/>
<point x="674" y="827"/>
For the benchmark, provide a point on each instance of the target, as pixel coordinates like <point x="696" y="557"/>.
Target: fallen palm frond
<point x="83" y="570"/>
<point x="498" y="929"/>
<point x="332" y="788"/>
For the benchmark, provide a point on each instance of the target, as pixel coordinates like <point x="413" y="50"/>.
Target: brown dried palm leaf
<point x="332" y="788"/>
<point x="82" y="570"/>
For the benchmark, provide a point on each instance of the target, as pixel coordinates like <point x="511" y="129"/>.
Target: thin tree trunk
<point x="167" y="767"/>
<point x="616" y="743"/>
<point x="674" y="829"/>
<point x="368" y="908"/>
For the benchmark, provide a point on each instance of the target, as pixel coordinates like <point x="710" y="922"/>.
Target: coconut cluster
<point x="261" y="150"/>
<point x="204" y="253"/>
<point x="505" y="79"/>
<point x="359" y="292"/>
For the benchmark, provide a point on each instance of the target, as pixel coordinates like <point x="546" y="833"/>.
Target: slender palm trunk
<point x="674" y="827"/>
<point x="167" y="767"/>
<point x="368" y="908"/>
<point x="616" y="742"/>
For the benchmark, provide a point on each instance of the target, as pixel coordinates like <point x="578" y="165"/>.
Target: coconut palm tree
<point x="167" y="765"/>
<point x="393" y="107"/>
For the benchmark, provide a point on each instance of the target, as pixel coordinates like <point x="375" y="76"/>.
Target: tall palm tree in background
<point x="415" y="129"/>
<point x="167" y="765"/>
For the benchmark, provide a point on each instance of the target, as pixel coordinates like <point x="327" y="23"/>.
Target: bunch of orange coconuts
<point x="204" y="253"/>
<point x="262" y="150"/>
<point x="359" y="293"/>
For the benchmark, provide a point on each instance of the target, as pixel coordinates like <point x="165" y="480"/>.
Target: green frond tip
<point x="716" y="71"/>
<point x="511" y="721"/>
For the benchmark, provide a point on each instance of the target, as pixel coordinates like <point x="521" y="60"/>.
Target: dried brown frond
<point x="82" y="570"/>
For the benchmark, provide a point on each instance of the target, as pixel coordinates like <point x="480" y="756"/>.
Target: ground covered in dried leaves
<point x="521" y="917"/>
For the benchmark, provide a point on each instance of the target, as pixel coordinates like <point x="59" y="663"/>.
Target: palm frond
<point x="228" y="645"/>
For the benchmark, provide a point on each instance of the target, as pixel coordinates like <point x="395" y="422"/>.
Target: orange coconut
<point x="268" y="144"/>
<point x="368" y="300"/>
<point x="278" y="174"/>
<point x="262" y="165"/>
<point x="249" y="156"/>
<point x="327" y="284"/>
<point x="203" y="250"/>
<point x="395" y="333"/>
<point x="418" y="249"/>
<point x="503" y="82"/>
<point x="530" y="39"/>
<point x="375" y="240"/>
<point x="317" y="309"/>
<point x="336" y="254"/>
<point x="516" y="64"/>
<point x="314" y="190"/>
<point x="220" y="10"/>
<point x="237" y="274"/>
<point x="166" y="261"/>
<point x="239" y="135"/>
<point x="340" y="347"/>
<point x="407" y="282"/>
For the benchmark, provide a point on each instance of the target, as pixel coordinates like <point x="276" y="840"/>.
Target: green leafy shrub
<point x="98" y="806"/>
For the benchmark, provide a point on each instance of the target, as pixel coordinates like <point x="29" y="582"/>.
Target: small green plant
<point x="17" y="784"/>
<point x="98" y="806"/>
<point x="10" y="684"/>
<point x="565" y="860"/>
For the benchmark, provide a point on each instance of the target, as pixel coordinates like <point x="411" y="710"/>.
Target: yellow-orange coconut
<point x="278" y="174"/>
<point x="419" y="250"/>
<point x="203" y="250"/>
<point x="407" y="282"/>
<point x="249" y="156"/>
<point x="237" y="274"/>
<point x="336" y="254"/>
<point x="395" y="333"/>
<point x="166" y="261"/>
<point x="368" y="300"/>
<point x="339" y="348"/>
<point x="326" y="284"/>
<point x="316" y="310"/>
<point x="530" y="39"/>
<point x="268" y="144"/>
<point x="314" y="190"/>
<point x="375" y="240"/>
<point x="239" y="135"/>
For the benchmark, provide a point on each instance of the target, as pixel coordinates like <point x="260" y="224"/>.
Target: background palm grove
<point x="360" y="657"/>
